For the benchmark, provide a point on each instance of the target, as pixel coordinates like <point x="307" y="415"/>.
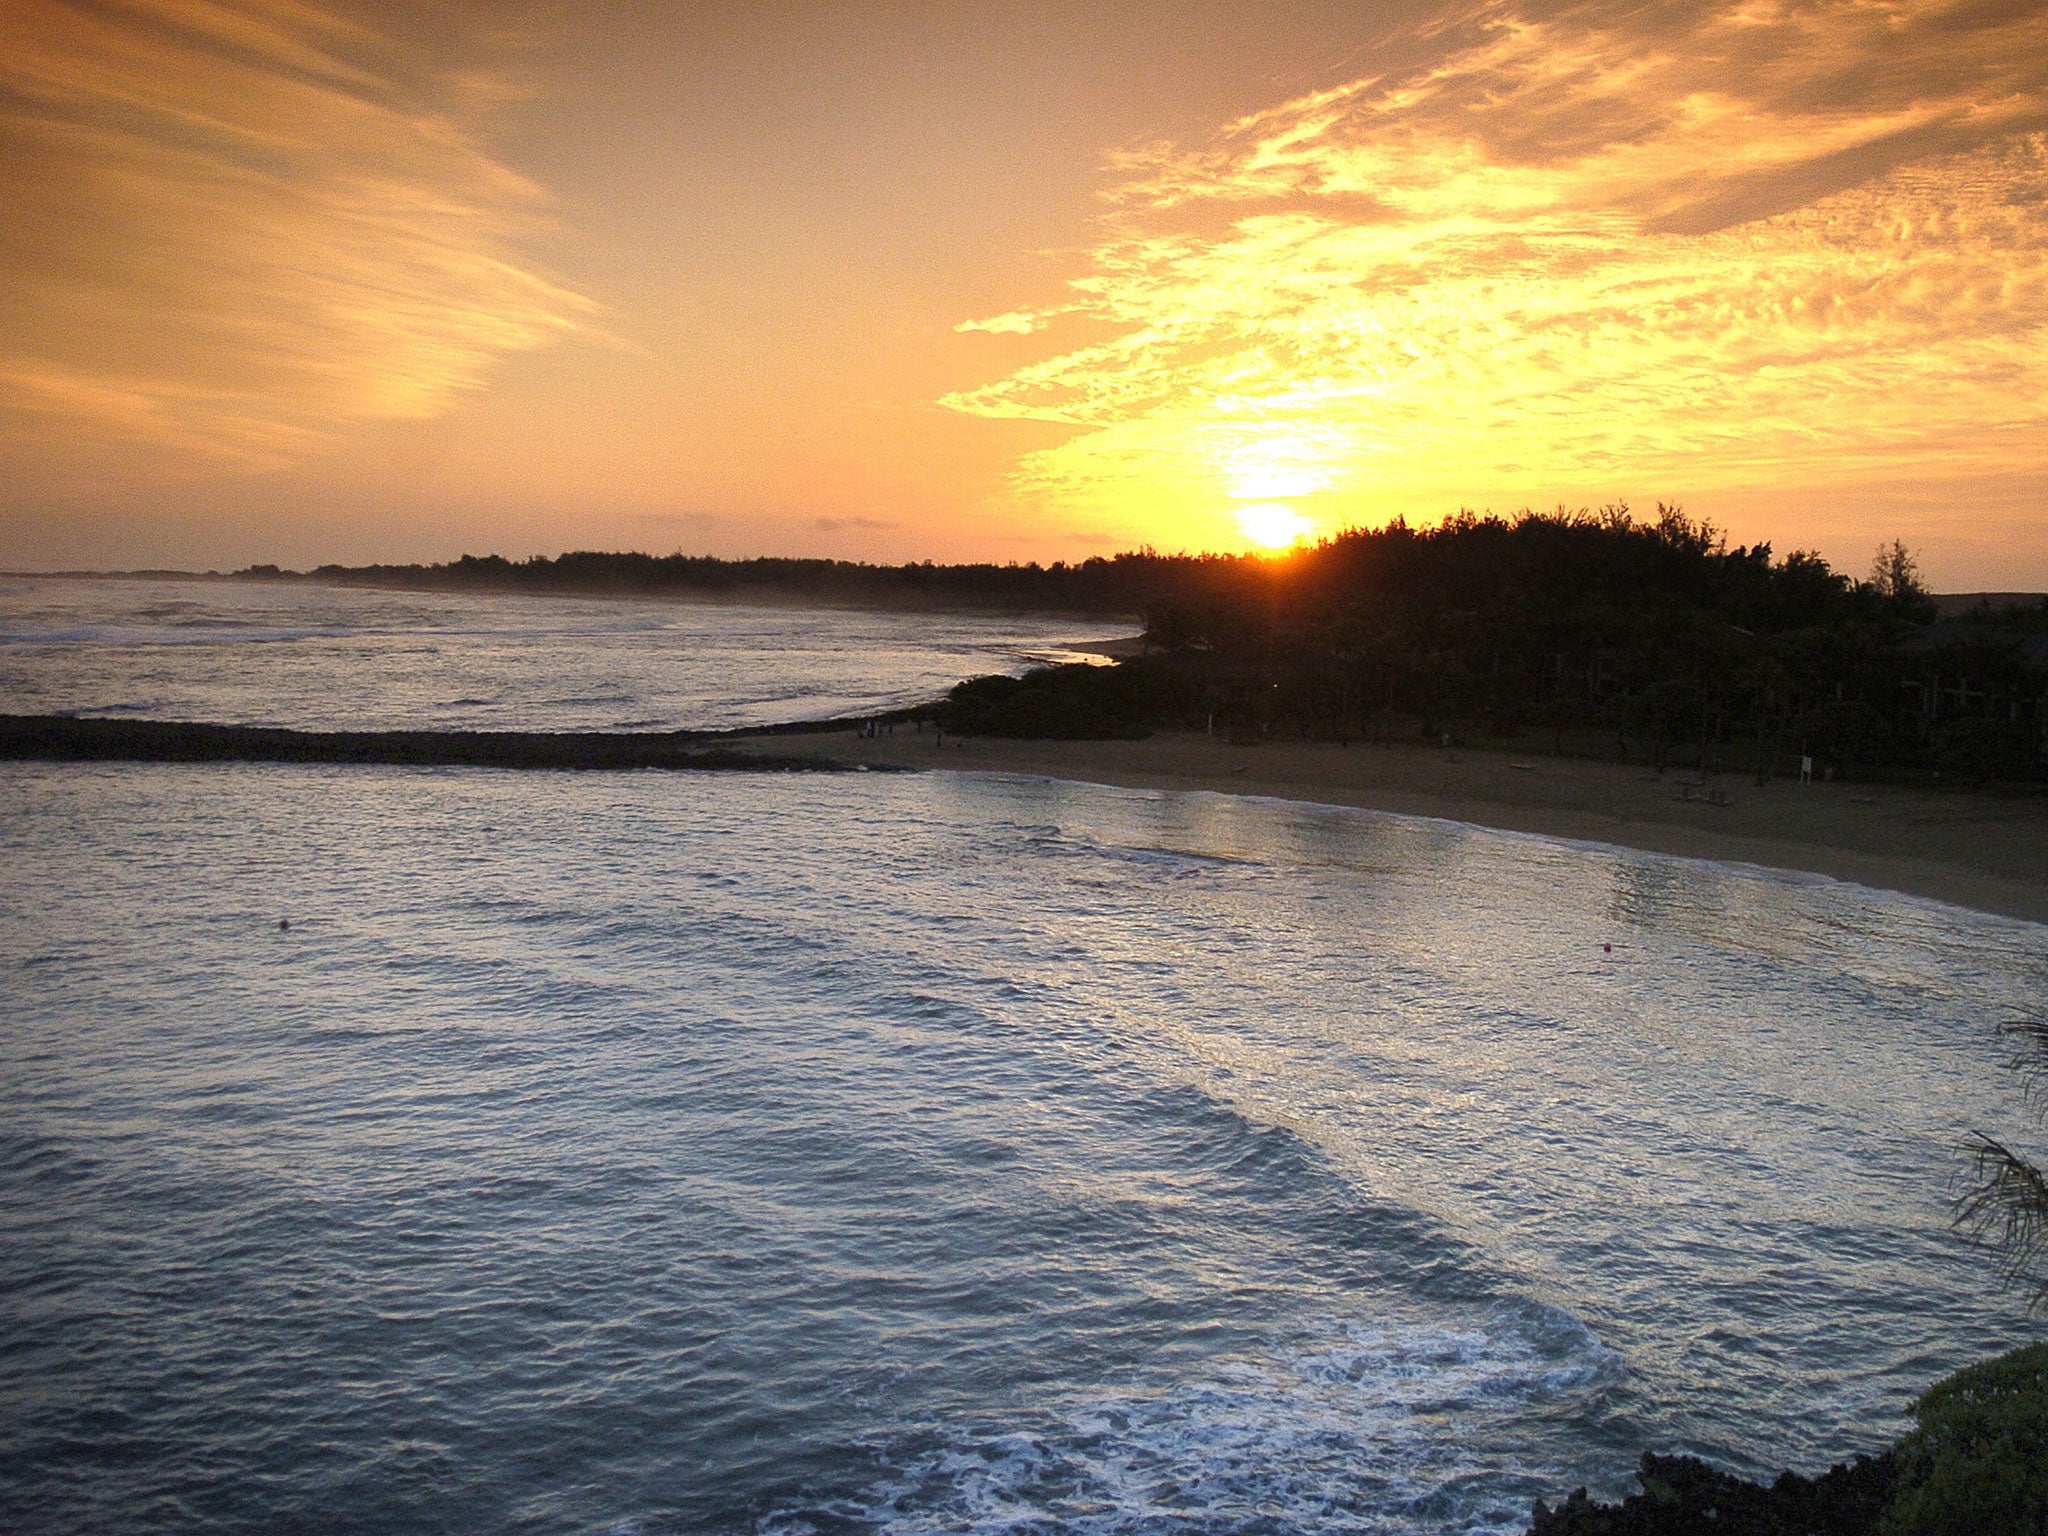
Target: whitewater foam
<point x="1347" y="1424"/>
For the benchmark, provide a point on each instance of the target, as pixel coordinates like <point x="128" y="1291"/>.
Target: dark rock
<point x="62" y="738"/>
<point x="1683" y="1496"/>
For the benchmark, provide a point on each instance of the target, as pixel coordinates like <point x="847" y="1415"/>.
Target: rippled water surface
<point x="643" y="1153"/>
<point x="312" y="657"/>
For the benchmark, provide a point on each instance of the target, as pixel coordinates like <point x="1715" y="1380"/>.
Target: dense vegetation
<point x="1587" y="632"/>
<point x="1977" y="1460"/>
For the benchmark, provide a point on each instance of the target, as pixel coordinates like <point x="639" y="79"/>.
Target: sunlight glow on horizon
<point x="299" y="281"/>
<point x="1446" y="290"/>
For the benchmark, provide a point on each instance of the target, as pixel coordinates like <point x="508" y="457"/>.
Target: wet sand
<point x="1985" y="851"/>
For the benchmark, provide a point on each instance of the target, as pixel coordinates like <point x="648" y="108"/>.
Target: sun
<point x="1272" y="524"/>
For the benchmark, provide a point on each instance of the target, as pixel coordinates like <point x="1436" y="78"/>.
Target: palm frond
<point x="2031" y="1059"/>
<point x="2005" y="1208"/>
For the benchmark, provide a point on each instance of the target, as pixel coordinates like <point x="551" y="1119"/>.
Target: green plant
<point x="1977" y="1462"/>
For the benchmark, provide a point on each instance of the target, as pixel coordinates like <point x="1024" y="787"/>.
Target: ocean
<point x="656" y="1153"/>
<point x="312" y="657"/>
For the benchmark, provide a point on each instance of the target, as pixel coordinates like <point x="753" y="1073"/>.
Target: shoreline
<point x="1978" y="850"/>
<point x="1981" y="850"/>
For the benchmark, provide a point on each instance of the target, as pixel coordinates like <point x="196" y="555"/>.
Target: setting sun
<point x="1272" y="524"/>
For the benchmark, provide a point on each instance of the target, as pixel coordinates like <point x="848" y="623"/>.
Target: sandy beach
<point x="1984" y="851"/>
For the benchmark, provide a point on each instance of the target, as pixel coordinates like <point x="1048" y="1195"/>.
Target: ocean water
<point x="644" y="1153"/>
<point x="312" y="657"/>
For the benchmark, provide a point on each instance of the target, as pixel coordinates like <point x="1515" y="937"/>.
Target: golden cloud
<point x="235" y="226"/>
<point x="1579" y="252"/>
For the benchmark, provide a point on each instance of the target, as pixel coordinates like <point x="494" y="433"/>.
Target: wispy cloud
<point x="235" y="226"/>
<point x="859" y="524"/>
<point x="1588" y="248"/>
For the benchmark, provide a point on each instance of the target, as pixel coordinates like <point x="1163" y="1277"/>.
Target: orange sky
<point x="299" y="282"/>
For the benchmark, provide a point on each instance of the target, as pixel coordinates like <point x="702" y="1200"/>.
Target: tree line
<point x="1100" y="586"/>
<point x="1588" y="632"/>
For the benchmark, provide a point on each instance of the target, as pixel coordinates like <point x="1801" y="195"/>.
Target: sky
<point x="296" y="282"/>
